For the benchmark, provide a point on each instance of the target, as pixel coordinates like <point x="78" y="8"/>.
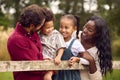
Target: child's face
<point x="66" y="28"/>
<point x="47" y="28"/>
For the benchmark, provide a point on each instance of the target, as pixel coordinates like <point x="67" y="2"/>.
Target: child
<point x="52" y="42"/>
<point x="68" y="25"/>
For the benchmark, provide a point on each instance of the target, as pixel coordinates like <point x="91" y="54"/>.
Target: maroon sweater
<point x="25" y="46"/>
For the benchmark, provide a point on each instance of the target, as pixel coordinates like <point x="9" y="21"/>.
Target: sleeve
<point x="60" y="41"/>
<point x="96" y="76"/>
<point x="84" y="61"/>
<point x="77" y="47"/>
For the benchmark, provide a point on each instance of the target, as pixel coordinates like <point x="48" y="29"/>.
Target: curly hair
<point x="103" y="44"/>
<point x="32" y="14"/>
<point x="49" y="16"/>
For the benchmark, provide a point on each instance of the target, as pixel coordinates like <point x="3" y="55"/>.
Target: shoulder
<point x="74" y="34"/>
<point x="16" y="39"/>
<point x="55" y="32"/>
<point x="93" y="50"/>
<point x="77" y="42"/>
<point x="14" y="36"/>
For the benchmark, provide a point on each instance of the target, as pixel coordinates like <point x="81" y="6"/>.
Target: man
<point x="24" y="43"/>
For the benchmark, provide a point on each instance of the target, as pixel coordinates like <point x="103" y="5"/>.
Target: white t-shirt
<point x="76" y="46"/>
<point x="82" y="60"/>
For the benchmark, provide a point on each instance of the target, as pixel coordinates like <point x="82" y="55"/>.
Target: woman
<point x="96" y="40"/>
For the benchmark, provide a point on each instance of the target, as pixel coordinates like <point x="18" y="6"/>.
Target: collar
<point x="19" y="28"/>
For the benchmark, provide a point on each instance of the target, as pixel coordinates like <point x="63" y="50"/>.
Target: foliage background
<point x="108" y="9"/>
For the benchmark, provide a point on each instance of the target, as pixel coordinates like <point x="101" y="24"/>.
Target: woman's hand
<point x="72" y="60"/>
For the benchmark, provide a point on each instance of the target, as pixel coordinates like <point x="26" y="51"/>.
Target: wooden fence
<point x="10" y="66"/>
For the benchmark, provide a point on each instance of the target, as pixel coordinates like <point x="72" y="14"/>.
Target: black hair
<point x="32" y="14"/>
<point x="103" y="43"/>
<point x="48" y="14"/>
<point x="78" y="25"/>
<point x="76" y="21"/>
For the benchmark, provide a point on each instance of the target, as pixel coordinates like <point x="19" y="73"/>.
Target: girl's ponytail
<point x="77" y="25"/>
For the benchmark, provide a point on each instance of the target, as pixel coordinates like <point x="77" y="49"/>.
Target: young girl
<point x="69" y="24"/>
<point x="52" y="42"/>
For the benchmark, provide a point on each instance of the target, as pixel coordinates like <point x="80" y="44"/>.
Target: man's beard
<point x="32" y="31"/>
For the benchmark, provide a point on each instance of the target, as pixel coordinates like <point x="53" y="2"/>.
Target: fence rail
<point x="9" y="66"/>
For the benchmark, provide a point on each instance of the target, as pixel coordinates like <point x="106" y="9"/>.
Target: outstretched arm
<point x="57" y="59"/>
<point x="92" y="65"/>
<point x="87" y="56"/>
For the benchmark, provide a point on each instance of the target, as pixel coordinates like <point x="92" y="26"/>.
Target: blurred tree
<point x="114" y="17"/>
<point x="17" y="5"/>
<point x="109" y="9"/>
<point x="4" y="21"/>
<point x="75" y="7"/>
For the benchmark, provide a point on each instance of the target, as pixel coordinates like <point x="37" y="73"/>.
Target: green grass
<point x="6" y="76"/>
<point x="114" y="76"/>
<point x="116" y="58"/>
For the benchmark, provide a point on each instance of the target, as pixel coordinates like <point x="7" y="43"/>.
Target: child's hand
<point x="57" y="61"/>
<point x="47" y="59"/>
<point x="72" y="60"/>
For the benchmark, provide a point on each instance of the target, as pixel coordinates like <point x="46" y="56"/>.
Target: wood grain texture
<point x="10" y="66"/>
